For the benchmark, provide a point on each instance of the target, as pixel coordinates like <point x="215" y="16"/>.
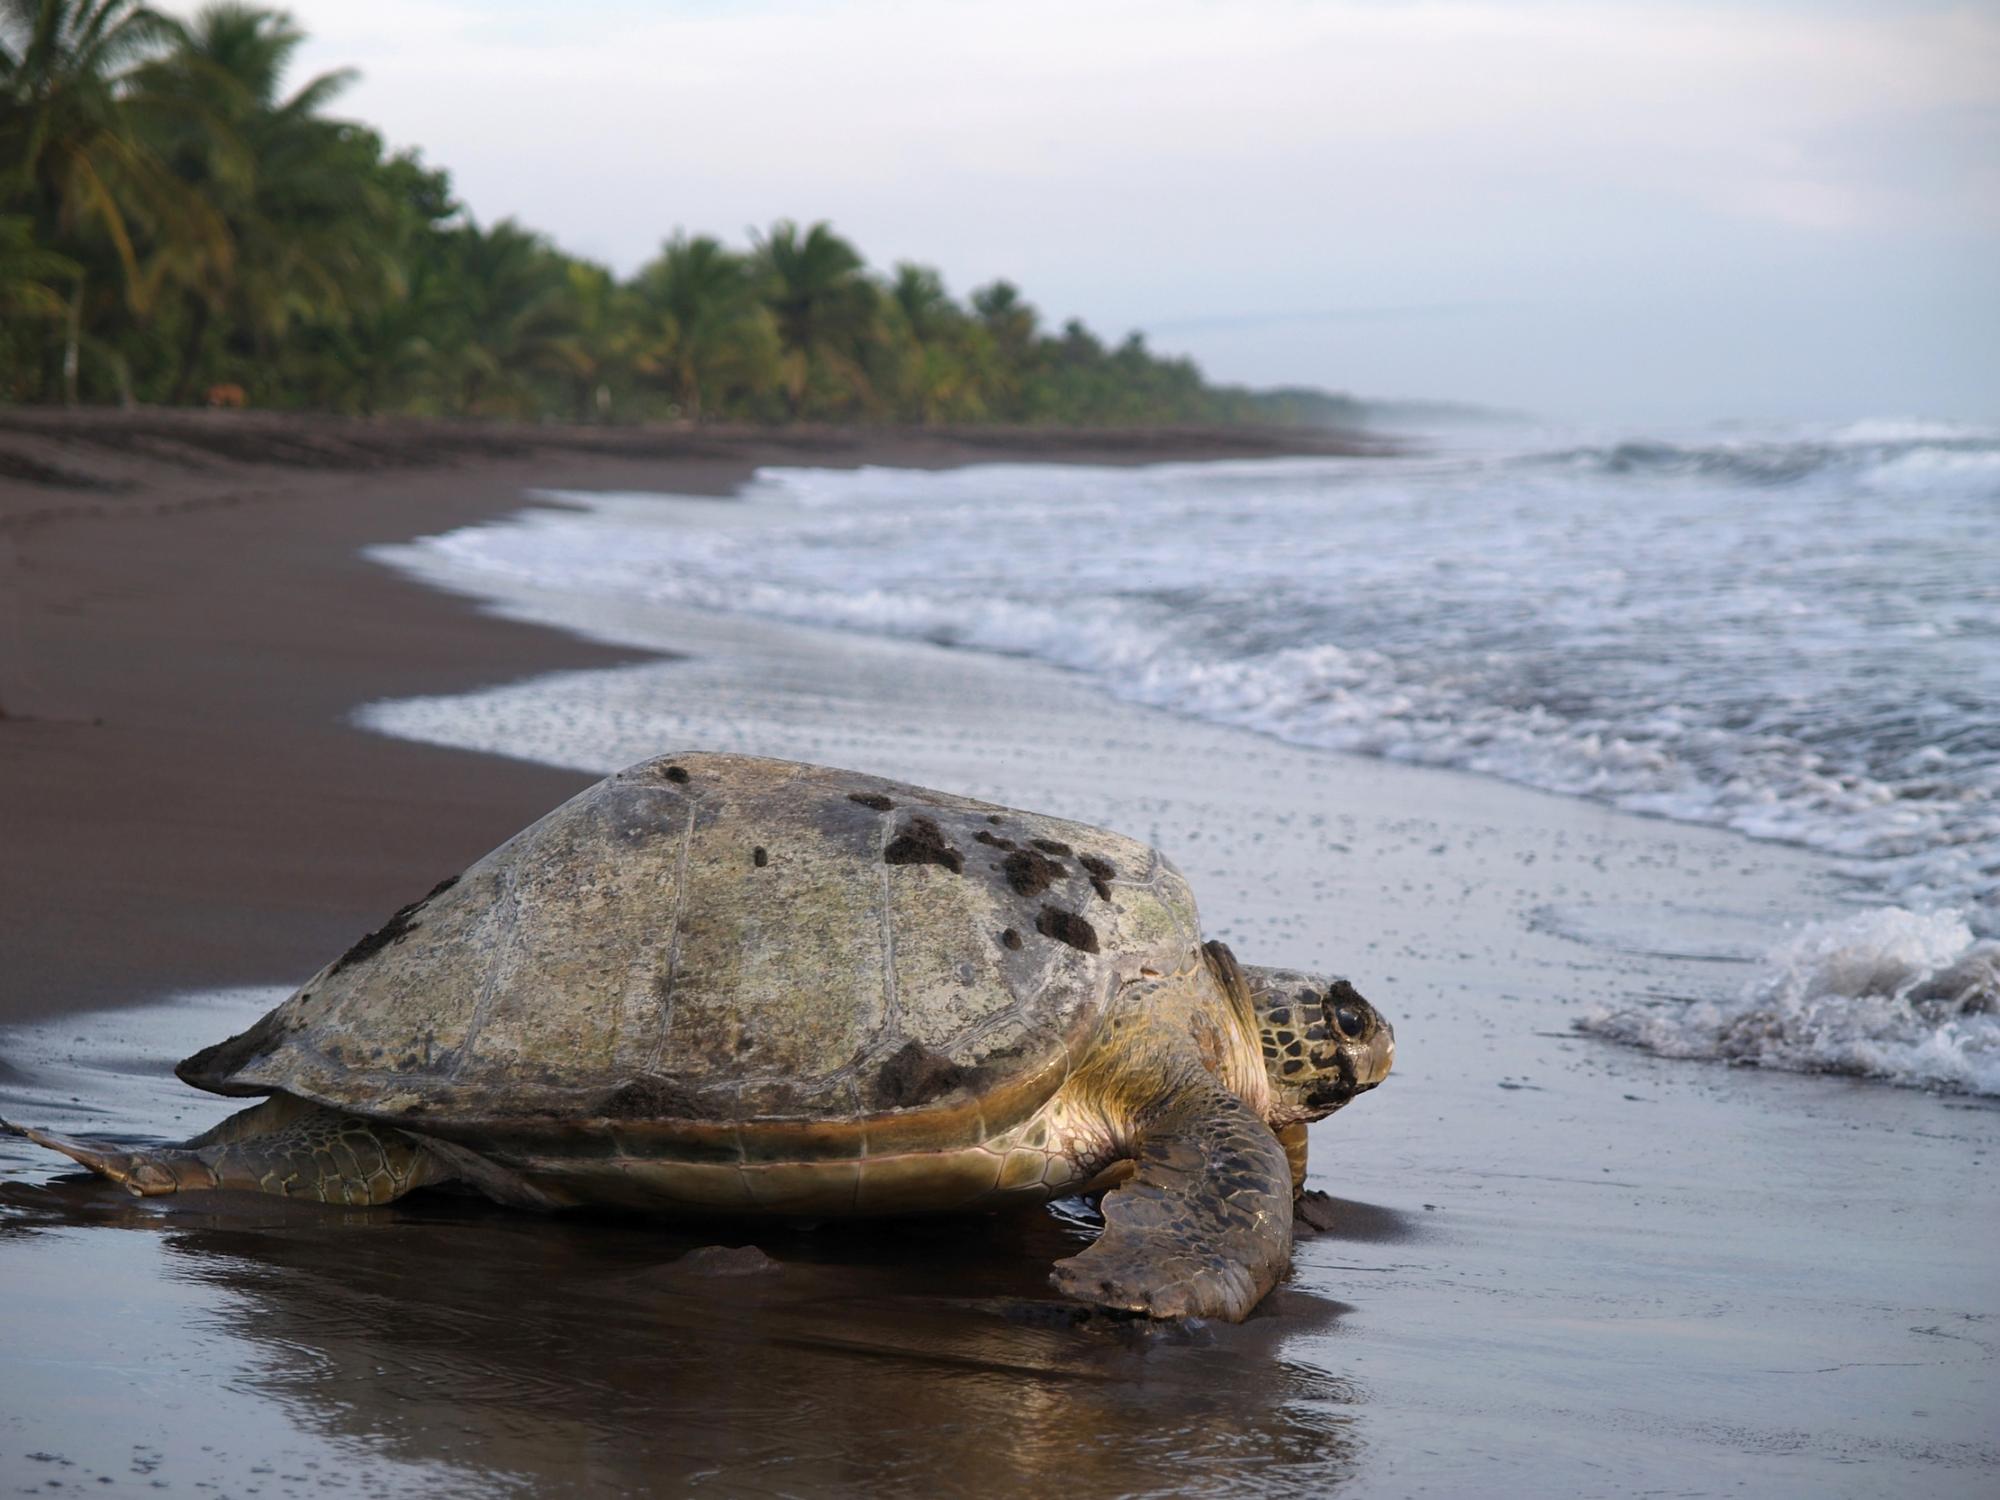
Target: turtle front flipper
<point x="283" y="1146"/>
<point x="1203" y="1227"/>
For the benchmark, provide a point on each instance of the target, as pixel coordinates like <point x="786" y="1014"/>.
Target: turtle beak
<point x="1377" y="1057"/>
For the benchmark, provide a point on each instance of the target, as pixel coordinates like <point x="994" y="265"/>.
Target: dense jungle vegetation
<point x="179" y="226"/>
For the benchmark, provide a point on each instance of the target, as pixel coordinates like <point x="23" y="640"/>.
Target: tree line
<point x="177" y="226"/>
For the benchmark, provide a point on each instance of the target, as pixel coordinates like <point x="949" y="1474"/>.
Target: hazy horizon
<point x="1644" y="212"/>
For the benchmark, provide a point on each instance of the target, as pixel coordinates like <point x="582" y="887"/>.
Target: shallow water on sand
<point x="448" y="1346"/>
<point x="440" y="1348"/>
<point x="1557" y="1267"/>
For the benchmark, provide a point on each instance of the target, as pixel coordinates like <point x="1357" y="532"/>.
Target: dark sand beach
<point x="1557" y="1266"/>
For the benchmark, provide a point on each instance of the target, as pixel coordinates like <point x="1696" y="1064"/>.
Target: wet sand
<point x="1558" y="1267"/>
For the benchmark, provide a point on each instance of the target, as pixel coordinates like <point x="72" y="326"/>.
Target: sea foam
<point x="1889" y="993"/>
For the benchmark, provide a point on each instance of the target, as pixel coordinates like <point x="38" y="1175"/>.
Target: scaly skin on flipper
<point x="1203" y="1228"/>
<point x="283" y="1147"/>
<point x="1293" y="1139"/>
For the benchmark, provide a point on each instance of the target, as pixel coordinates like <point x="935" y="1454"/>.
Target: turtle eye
<point x="1350" y="1021"/>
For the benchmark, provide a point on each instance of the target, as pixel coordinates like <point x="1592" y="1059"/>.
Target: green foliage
<point x="700" y="333"/>
<point x="174" y="223"/>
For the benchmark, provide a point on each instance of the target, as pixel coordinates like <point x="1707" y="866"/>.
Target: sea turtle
<point x="713" y="984"/>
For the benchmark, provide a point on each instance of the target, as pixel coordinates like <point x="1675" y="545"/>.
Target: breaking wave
<point x="1884" y="994"/>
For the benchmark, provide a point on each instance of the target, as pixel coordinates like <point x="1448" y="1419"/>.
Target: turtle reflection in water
<point x="719" y="985"/>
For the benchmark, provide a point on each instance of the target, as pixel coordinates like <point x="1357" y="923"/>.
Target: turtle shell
<point x="704" y="947"/>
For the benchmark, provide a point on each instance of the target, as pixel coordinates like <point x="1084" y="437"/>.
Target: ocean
<point x="1794" y="634"/>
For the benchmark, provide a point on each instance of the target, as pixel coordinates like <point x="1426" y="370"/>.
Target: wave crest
<point x="1909" y="997"/>
<point x="1868" y="451"/>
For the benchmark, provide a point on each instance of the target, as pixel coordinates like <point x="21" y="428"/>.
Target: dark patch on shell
<point x="398" y="927"/>
<point x="871" y="799"/>
<point x="916" y="1075"/>
<point x="1101" y="871"/>
<point x="1052" y="846"/>
<point x="1067" y="927"/>
<point x="1030" y="873"/>
<point x="994" y="819"/>
<point x="760" y="856"/>
<point x="993" y="840"/>
<point x="676" y="774"/>
<point x="922" y="843"/>
<point x="1011" y="939"/>
<point x="651" y="1098"/>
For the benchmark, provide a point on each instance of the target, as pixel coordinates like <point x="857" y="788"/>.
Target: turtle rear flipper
<point x="1203" y="1227"/>
<point x="283" y="1146"/>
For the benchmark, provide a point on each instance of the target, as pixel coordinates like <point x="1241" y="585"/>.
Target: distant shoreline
<point x="186" y="622"/>
<point x="97" y="461"/>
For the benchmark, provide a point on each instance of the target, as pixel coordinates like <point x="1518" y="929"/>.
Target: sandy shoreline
<point x="1563" y="1267"/>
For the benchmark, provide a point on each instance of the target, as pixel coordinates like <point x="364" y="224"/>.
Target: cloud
<point x="1168" y="160"/>
<point x="636" y="100"/>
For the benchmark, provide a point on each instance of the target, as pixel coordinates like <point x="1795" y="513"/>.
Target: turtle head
<point x="1322" y="1042"/>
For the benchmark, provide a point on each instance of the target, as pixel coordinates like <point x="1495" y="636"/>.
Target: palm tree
<point x="307" y="227"/>
<point x="824" y="306"/>
<point x="702" y="328"/>
<point x="69" y="70"/>
<point x="599" y="346"/>
<point x="29" y="274"/>
<point x="31" y="298"/>
<point x="391" y="344"/>
<point x="920" y="299"/>
<point x="512" y="316"/>
<point x="939" y="350"/>
<point x="1009" y="322"/>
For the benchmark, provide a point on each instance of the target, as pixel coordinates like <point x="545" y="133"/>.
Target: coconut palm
<point x="925" y="307"/>
<point x="702" y="332"/>
<point x="603" y="335"/>
<point x="395" y="342"/>
<point x="33" y="299"/>
<point x="824" y="305"/>
<point x="307" y="225"/>
<point x="31" y="278"/>
<point x="511" y="318"/>
<point x="74" y="162"/>
<point x="1009" y="322"/>
<point x="67" y="147"/>
<point x="940" y="353"/>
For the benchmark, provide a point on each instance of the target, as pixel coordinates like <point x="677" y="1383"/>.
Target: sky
<point x="1615" y="210"/>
